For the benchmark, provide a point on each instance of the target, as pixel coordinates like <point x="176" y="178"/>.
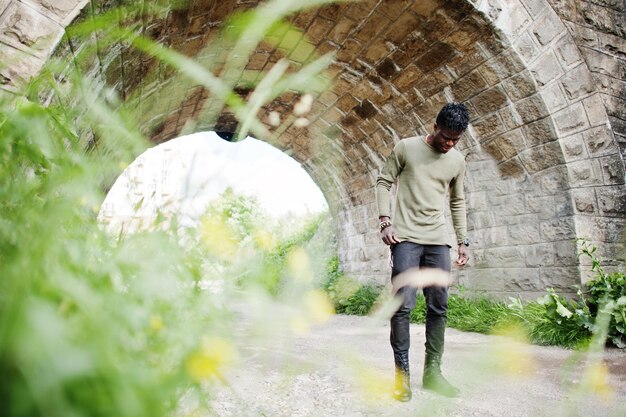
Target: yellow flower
<point x="156" y="323"/>
<point x="299" y="325"/>
<point x="299" y="265"/>
<point x="318" y="306"/>
<point x="264" y="239"/>
<point x="597" y="380"/>
<point x="376" y="385"/>
<point x="218" y="237"/>
<point x="210" y="359"/>
<point x="512" y="354"/>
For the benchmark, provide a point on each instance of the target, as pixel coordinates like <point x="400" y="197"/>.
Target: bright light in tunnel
<point x="184" y="174"/>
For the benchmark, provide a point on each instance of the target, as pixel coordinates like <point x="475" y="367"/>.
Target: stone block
<point x="607" y="229"/>
<point x="481" y="220"/>
<point x="511" y="143"/>
<point x="568" y="53"/>
<point x="553" y="97"/>
<point x="612" y="201"/>
<point x="571" y="119"/>
<point x="341" y="30"/>
<point x="558" y="229"/>
<point x="560" y="278"/>
<point x="547" y="28"/>
<point x="546" y="68"/>
<point x="574" y="148"/>
<point x="490" y="237"/>
<point x="539" y="132"/>
<point x="372" y="27"/>
<point x="21" y="66"/>
<point x="577" y="83"/>
<point x="594" y="106"/>
<point x="520" y="86"/>
<point x="467" y="62"/>
<point x="600" y="141"/>
<point x="585" y="173"/>
<point x="468" y="86"/>
<point x="611" y="44"/>
<point x="434" y="82"/>
<point x="435" y="57"/>
<point x="532" y="108"/>
<point x="539" y="255"/>
<point x="612" y="169"/>
<point x="542" y="157"/>
<point x="3" y="5"/>
<point x="510" y="117"/>
<point x="477" y="201"/>
<point x="513" y="21"/>
<point x="600" y="62"/>
<point x="510" y="256"/>
<point x="62" y="11"/>
<point x="534" y="7"/>
<point x="25" y="29"/>
<point x="522" y="279"/>
<point x="491" y="279"/>
<point x="524" y="234"/>
<point x="554" y="180"/>
<point x="502" y="66"/>
<point x="302" y="52"/>
<point x="526" y="47"/>
<point x="511" y="168"/>
<point x="425" y="8"/>
<point x="584" y="200"/>
<point x="609" y="85"/>
<point x="584" y="36"/>
<point x="407" y="78"/>
<point x="349" y="51"/>
<point x="602" y="19"/>
<point x="491" y="147"/>
<point x="615" y="109"/>
<point x="400" y="29"/>
<point x="376" y="51"/>
<point x="489" y="100"/>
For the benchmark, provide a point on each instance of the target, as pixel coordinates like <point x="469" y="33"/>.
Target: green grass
<point x="470" y="314"/>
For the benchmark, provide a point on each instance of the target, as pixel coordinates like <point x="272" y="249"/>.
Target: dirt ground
<point x="345" y="368"/>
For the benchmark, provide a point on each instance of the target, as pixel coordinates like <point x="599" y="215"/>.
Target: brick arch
<point x="543" y="162"/>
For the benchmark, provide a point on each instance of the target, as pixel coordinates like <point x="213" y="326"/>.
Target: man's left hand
<point x="463" y="255"/>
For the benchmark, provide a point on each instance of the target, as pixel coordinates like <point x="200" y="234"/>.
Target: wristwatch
<point x="465" y="242"/>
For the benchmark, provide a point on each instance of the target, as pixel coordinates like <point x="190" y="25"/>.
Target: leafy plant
<point x="607" y="291"/>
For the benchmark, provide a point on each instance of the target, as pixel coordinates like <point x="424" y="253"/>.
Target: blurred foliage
<point x="98" y="325"/>
<point x="348" y="295"/>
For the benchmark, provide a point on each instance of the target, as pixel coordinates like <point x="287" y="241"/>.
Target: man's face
<point x="444" y="139"/>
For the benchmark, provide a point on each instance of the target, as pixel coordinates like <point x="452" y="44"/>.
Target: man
<point x="425" y="169"/>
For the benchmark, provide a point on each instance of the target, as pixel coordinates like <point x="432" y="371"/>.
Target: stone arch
<point x="544" y="163"/>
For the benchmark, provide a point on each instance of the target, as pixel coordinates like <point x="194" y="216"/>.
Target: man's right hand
<point x="389" y="235"/>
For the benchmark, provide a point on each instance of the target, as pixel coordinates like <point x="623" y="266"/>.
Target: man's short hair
<point x="453" y="116"/>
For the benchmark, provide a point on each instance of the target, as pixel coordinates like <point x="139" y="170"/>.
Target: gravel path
<point x="345" y="368"/>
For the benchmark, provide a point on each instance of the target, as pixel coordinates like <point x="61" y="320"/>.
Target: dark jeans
<point x="407" y="255"/>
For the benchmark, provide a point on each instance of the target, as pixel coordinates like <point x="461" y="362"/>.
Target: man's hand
<point x="389" y="235"/>
<point x="463" y="255"/>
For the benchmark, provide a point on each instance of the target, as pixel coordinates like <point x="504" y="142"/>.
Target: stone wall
<point x="544" y="82"/>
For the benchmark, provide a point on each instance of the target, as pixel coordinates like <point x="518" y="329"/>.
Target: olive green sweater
<point x="423" y="177"/>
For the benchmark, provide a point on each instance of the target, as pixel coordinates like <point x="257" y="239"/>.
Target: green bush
<point x="608" y="292"/>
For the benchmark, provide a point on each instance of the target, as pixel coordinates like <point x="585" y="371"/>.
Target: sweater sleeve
<point x="387" y="177"/>
<point x="457" y="205"/>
